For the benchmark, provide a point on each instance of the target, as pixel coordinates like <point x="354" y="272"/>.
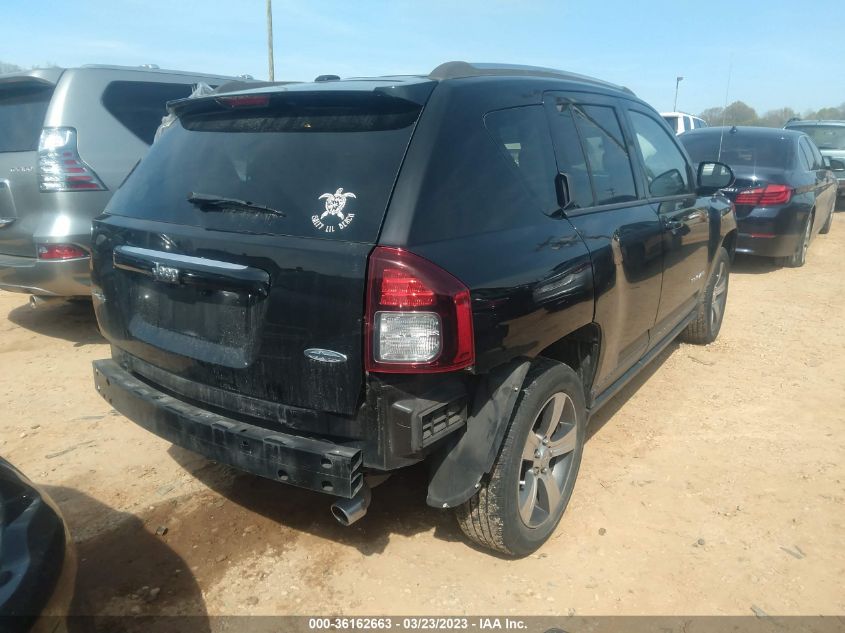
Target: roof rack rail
<point x="455" y="70"/>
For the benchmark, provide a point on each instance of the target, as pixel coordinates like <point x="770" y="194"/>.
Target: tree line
<point x="740" y="113"/>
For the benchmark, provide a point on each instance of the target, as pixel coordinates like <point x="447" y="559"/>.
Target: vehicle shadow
<point x="72" y="321"/>
<point x="398" y="505"/>
<point x="606" y="413"/>
<point x="120" y="566"/>
<point x="751" y="265"/>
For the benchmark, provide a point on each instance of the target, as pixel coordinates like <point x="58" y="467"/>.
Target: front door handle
<point x="673" y="224"/>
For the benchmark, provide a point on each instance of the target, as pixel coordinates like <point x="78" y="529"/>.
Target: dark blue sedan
<point x="37" y="560"/>
<point x="784" y="194"/>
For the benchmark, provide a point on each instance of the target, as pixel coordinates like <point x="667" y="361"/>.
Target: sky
<point x="770" y="54"/>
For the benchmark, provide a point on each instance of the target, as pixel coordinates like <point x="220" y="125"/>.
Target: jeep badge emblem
<point x="333" y="215"/>
<point x="325" y="355"/>
<point x="167" y="274"/>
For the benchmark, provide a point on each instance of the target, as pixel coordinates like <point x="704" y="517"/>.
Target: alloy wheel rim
<point x="805" y="244"/>
<point x="720" y="295"/>
<point x="547" y="460"/>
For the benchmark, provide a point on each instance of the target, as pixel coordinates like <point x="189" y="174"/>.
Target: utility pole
<point x="678" y="80"/>
<point x="270" y="38"/>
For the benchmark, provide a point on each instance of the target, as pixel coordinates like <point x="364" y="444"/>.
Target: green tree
<point x="739" y="113"/>
<point x="777" y="118"/>
<point x="713" y="116"/>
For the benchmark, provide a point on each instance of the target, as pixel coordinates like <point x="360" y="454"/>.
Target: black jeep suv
<point x="321" y="283"/>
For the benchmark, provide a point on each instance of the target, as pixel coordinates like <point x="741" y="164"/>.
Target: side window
<point x="806" y="154"/>
<point x="523" y="135"/>
<point x="140" y="105"/>
<point x="607" y="154"/>
<point x="673" y="122"/>
<point x="665" y="165"/>
<point x="688" y="125"/>
<point x="818" y="160"/>
<point x="570" y="157"/>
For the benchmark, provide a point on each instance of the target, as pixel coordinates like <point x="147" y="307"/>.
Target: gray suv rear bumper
<point x="66" y="278"/>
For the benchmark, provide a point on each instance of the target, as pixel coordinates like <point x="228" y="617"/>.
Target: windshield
<point x="825" y="136"/>
<point x="328" y="168"/>
<point x="22" y="110"/>
<point x="738" y="149"/>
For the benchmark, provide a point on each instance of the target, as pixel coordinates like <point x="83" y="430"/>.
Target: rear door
<point x="620" y="228"/>
<point x="825" y="182"/>
<point x="668" y="181"/>
<point x="237" y="306"/>
<point x="23" y="105"/>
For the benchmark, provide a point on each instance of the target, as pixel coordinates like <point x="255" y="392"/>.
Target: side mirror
<point x="837" y="164"/>
<point x="713" y="176"/>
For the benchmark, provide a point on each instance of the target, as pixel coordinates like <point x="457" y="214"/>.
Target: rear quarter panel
<point x="456" y="204"/>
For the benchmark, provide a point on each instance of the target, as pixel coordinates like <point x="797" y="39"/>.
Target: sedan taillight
<point x="765" y="196"/>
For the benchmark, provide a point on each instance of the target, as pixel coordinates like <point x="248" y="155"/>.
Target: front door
<point x="684" y="219"/>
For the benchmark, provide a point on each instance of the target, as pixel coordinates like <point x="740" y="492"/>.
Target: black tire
<point x="799" y="257"/>
<point x="826" y="228"/>
<point x="711" y="310"/>
<point x="493" y="517"/>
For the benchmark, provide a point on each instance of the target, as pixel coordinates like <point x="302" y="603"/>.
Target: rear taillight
<point x="59" y="166"/>
<point x="765" y="196"/>
<point x="419" y="317"/>
<point x="60" y="251"/>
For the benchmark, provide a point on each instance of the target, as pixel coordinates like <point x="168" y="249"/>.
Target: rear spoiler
<point x="41" y="77"/>
<point x="414" y="93"/>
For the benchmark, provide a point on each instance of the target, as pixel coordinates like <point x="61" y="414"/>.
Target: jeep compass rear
<point x="322" y="283"/>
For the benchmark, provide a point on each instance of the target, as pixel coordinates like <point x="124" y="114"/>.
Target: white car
<point x="682" y="122"/>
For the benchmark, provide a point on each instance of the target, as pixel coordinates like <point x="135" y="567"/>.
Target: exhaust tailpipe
<point x="348" y="511"/>
<point x="38" y="301"/>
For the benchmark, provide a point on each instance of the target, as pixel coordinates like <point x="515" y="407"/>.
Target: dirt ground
<point x="711" y="484"/>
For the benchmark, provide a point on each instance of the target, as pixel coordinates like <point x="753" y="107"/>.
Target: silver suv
<point x="68" y="138"/>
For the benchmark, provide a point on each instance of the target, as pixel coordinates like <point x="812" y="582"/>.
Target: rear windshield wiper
<point x="211" y="202"/>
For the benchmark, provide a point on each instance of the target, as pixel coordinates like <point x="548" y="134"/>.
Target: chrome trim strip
<point x="161" y="256"/>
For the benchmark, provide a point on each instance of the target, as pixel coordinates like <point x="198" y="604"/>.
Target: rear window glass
<point x="523" y="134"/>
<point x="22" y="111"/>
<point x="328" y="166"/>
<point x="738" y="149"/>
<point x="140" y="105"/>
<point x="825" y="136"/>
<point x="607" y="154"/>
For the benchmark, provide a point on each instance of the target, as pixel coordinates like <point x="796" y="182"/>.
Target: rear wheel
<point x="799" y="257"/>
<point x="711" y="311"/>
<point x="518" y="507"/>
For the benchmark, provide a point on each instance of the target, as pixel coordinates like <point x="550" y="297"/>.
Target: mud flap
<point x="455" y="478"/>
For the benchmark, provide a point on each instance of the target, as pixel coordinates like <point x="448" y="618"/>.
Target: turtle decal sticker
<point x="333" y="218"/>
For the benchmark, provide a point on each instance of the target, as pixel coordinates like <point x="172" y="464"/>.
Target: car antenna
<point x="725" y="109"/>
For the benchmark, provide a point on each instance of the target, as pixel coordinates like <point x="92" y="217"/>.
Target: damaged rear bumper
<point x="300" y="461"/>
